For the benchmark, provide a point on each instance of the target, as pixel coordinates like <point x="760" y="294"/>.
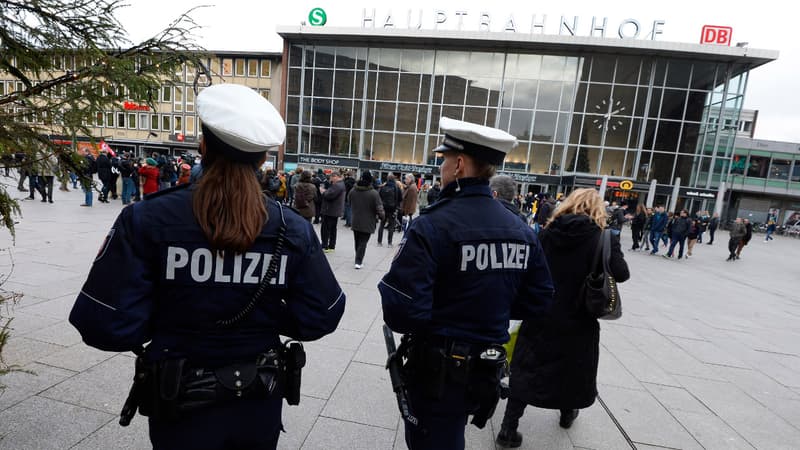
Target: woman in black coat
<point x="367" y="208"/>
<point x="555" y="357"/>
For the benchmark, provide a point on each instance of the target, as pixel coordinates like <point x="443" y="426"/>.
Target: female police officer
<point x="180" y="270"/>
<point x="465" y="267"/>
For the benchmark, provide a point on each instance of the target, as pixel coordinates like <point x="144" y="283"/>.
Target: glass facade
<point x="638" y="117"/>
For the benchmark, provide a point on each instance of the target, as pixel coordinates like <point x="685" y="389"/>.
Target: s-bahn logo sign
<point x="713" y="34"/>
<point x="461" y="20"/>
<point x="317" y="17"/>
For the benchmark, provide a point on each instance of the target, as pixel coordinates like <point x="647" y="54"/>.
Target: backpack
<point x="388" y="195"/>
<point x="274" y="185"/>
<point x="300" y="199"/>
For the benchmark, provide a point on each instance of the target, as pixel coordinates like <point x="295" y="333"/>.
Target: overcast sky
<point x="773" y="88"/>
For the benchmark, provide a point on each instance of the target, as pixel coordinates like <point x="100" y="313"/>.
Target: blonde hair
<point x="582" y="201"/>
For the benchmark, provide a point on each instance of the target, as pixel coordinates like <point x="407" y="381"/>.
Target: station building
<point x="581" y="107"/>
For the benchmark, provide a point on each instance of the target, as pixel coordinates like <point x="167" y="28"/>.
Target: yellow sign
<point x="626" y="185"/>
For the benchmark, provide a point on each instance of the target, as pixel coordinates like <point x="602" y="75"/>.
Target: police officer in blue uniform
<point x="210" y="274"/>
<point x="465" y="267"/>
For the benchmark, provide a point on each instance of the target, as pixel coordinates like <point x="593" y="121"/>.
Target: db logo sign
<point x="713" y="34"/>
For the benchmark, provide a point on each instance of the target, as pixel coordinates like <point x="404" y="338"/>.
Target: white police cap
<point x="484" y="143"/>
<point x="240" y="117"/>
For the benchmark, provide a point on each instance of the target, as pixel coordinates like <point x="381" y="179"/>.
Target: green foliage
<point x="70" y="60"/>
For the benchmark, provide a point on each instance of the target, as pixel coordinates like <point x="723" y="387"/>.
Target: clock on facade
<point x="610" y="111"/>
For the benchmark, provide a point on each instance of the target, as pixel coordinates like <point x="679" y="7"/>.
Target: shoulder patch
<point x="166" y="191"/>
<point x="104" y="246"/>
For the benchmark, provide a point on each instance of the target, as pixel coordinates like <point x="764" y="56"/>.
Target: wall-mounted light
<point x="742" y="44"/>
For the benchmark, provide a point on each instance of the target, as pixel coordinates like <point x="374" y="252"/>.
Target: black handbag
<point x="599" y="293"/>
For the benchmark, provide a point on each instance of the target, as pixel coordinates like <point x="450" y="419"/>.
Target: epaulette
<point x="166" y="191"/>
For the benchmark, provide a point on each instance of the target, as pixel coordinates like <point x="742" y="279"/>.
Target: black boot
<point x="567" y="417"/>
<point x="508" y="438"/>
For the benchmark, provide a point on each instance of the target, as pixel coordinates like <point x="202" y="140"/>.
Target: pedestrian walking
<point x="408" y="206"/>
<point x="556" y="354"/>
<point x="637" y="225"/>
<point x="366" y="209"/>
<point x="332" y="208"/>
<point x="678" y="232"/>
<point x="452" y="300"/>
<point x="737" y="232"/>
<point x="214" y="371"/>
<point x="712" y="227"/>
<point x="305" y="195"/>
<point x="391" y="197"/>
<point x="748" y="235"/>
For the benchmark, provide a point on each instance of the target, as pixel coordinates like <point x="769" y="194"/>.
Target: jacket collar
<point x="469" y="187"/>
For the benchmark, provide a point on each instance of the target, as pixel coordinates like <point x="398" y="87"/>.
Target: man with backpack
<point x="390" y="197"/>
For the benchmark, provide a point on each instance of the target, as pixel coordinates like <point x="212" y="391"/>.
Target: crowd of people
<point x="112" y="176"/>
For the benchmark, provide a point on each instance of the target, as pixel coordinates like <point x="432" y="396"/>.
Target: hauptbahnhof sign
<point x="461" y="20"/>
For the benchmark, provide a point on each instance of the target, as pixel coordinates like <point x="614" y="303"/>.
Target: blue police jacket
<point x="465" y="267"/>
<point x="156" y="279"/>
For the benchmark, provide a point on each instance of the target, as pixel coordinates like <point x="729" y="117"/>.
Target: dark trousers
<point x="390" y="219"/>
<point x="361" y="240"/>
<point x="328" y="231"/>
<point x="514" y="410"/>
<point x="32" y="184"/>
<point x="711" y="234"/>
<point x="443" y="419"/>
<point x="677" y="239"/>
<point x="245" y="424"/>
<point x="636" y="232"/>
<point x="45" y="187"/>
<point x="733" y="245"/>
<point x="22" y="175"/>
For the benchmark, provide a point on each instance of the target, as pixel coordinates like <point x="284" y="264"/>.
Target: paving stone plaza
<point x="707" y="354"/>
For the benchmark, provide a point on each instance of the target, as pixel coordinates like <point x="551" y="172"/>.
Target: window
<point x="142" y="121"/>
<point x="58" y="63"/>
<point x="166" y="122"/>
<point x="132" y="121"/>
<point x="98" y="119"/>
<point x="110" y="119"/>
<point x="2" y="88"/>
<point x="190" y="121"/>
<point x="266" y="68"/>
<point x="252" y="67"/>
<point x="179" y="70"/>
<point x="189" y="100"/>
<point x="227" y="67"/>
<point x="178" y="123"/>
<point x="154" y="122"/>
<point x="166" y="94"/>
<point x="178" y="104"/>
<point x="758" y="166"/>
<point x="779" y="170"/>
<point x="120" y="120"/>
<point x="239" y="66"/>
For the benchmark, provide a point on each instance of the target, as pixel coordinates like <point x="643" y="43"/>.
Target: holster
<point x="294" y="359"/>
<point x="439" y="363"/>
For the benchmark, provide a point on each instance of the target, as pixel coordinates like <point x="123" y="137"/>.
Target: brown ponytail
<point x="228" y="202"/>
